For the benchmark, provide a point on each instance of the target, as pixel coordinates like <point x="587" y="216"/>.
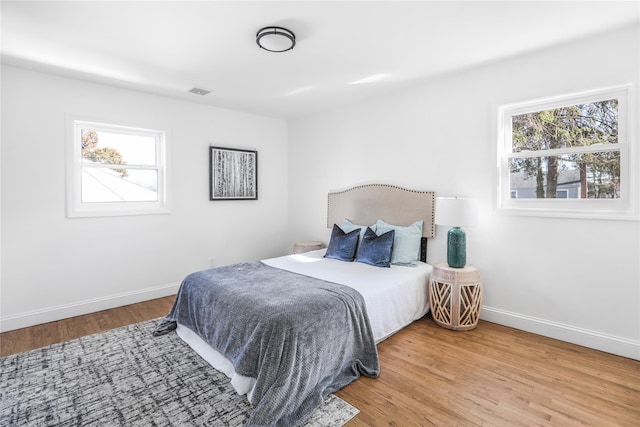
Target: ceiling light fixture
<point x="275" y="39"/>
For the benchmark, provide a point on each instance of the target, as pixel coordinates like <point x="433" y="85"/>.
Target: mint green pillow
<point x="348" y="226"/>
<point x="406" y="243"/>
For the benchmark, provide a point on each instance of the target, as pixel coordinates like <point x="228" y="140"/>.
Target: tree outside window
<point x="116" y="170"/>
<point x="568" y="156"/>
<point x="585" y="138"/>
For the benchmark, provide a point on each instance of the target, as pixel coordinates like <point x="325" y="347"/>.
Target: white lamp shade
<point x="456" y="212"/>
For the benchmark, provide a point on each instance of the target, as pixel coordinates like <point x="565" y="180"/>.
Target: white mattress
<point x="394" y="297"/>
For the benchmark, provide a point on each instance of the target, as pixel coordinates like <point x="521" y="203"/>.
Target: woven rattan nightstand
<point x="455" y="296"/>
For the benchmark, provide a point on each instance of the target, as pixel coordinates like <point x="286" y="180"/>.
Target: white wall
<point x="54" y="267"/>
<point x="576" y="280"/>
<point x="573" y="279"/>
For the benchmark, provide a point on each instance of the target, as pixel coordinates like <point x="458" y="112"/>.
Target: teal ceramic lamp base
<point x="456" y="248"/>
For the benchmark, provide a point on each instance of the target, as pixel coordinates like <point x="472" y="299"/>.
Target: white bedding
<point x="394" y="297"/>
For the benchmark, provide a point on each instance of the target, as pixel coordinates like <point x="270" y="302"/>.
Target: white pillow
<point x="406" y="243"/>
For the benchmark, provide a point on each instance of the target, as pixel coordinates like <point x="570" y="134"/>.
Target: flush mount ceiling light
<point x="275" y="39"/>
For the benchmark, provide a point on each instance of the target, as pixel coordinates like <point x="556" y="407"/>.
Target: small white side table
<point x="455" y="296"/>
<point x="301" y="247"/>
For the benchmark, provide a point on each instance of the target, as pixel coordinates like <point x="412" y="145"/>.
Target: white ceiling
<point x="167" y="47"/>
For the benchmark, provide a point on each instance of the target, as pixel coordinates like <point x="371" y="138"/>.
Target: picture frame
<point x="233" y="174"/>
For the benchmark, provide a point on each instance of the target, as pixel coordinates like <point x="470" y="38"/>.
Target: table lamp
<point x="456" y="212"/>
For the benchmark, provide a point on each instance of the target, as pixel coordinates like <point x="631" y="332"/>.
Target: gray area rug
<point x="127" y="377"/>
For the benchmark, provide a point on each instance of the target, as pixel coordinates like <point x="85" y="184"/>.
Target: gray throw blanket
<point x="301" y="338"/>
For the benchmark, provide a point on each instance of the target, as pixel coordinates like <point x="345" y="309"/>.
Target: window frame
<point x="78" y="209"/>
<point x="625" y="207"/>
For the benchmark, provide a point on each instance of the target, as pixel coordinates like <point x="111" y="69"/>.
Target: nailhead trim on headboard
<point x="424" y="200"/>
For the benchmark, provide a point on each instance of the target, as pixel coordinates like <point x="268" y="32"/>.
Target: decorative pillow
<point x="376" y="250"/>
<point x="348" y="226"/>
<point x="342" y="245"/>
<point x="406" y="244"/>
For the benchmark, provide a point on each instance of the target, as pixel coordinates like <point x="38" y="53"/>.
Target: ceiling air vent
<point x="199" y="91"/>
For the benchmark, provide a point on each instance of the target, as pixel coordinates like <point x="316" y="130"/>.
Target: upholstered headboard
<point x="365" y="204"/>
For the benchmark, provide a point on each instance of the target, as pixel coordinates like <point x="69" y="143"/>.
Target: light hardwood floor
<point x="430" y="376"/>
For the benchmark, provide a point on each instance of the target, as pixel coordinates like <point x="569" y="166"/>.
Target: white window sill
<point x="568" y="213"/>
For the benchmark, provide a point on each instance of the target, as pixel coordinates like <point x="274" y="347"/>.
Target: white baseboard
<point x="597" y="340"/>
<point x="51" y="314"/>
<point x="608" y="343"/>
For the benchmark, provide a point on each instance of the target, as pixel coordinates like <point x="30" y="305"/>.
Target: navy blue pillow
<point x="376" y="250"/>
<point x="342" y="245"/>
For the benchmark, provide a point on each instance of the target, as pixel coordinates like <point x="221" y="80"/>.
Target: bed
<point x="290" y="330"/>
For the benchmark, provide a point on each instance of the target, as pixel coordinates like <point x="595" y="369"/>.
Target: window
<point x="116" y="170"/>
<point x="567" y="156"/>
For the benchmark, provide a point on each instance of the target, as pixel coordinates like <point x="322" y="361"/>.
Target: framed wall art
<point x="233" y="174"/>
